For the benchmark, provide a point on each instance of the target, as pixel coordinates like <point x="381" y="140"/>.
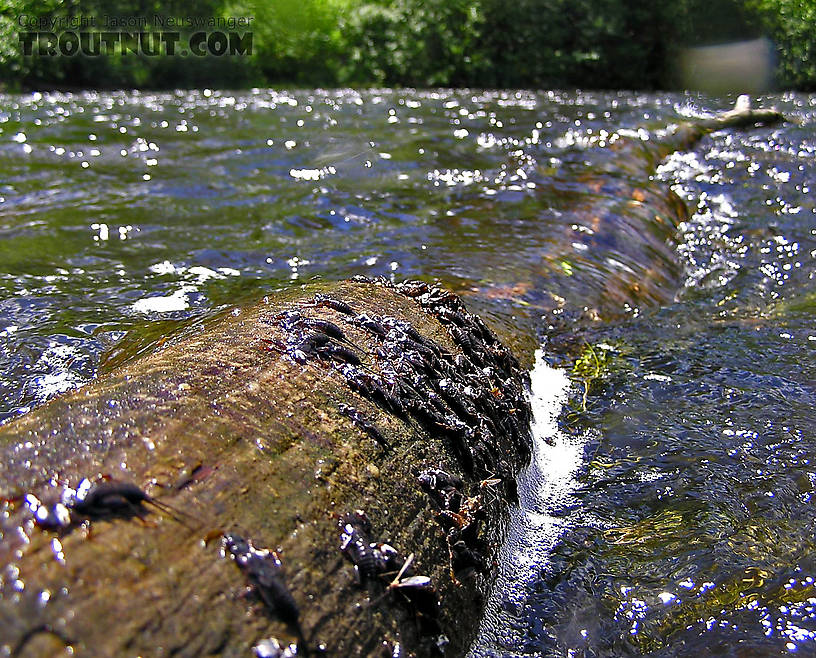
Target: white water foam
<point x="545" y="486"/>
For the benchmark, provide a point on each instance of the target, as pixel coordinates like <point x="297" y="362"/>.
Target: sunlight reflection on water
<point x="129" y="214"/>
<point x="537" y="522"/>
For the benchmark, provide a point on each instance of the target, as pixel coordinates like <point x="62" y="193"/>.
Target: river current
<point x="669" y="509"/>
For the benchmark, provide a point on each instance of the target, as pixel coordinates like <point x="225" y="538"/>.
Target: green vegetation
<point x="590" y="367"/>
<point x="480" y="43"/>
<point x="791" y="25"/>
<point x="118" y="70"/>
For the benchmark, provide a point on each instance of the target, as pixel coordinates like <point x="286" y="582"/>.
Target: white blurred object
<point x="743" y="103"/>
<point x="745" y="66"/>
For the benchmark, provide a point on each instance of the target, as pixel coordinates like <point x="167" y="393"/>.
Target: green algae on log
<point x="265" y="425"/>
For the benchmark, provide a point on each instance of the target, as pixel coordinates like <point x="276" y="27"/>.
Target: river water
<point x="670" y="510"/>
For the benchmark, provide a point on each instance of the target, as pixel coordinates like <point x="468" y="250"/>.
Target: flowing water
<point x="669" y="508"/>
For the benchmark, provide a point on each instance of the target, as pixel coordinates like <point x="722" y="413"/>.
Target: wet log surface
<point x="272" y="426"/>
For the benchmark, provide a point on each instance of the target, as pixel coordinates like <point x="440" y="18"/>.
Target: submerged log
<point x="270" y="428"/>
<point x="614" y="247"/>
<point x="685" y="135"/>
<point x="637" y="158"/>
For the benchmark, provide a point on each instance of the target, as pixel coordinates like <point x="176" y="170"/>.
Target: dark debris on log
<point x="473" y="400"/>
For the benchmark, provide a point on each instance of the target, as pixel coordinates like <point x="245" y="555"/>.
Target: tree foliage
<point x="481" y="43"/>
<point x="115" y="70"/>
<point x="295" y="41"/>
<point x="791" y="24"/>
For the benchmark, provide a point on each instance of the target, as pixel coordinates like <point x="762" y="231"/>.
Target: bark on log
<point x="241" y="428"/>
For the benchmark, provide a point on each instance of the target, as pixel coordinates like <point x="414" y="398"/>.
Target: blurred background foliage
<point x="607" y="44"/>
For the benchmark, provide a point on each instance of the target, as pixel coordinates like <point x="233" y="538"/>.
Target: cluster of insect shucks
<point x="473" y="400"/>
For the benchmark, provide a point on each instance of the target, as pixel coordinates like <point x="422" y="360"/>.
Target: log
<point x="271" y="424"/>
<point x="616" y="235"/>
<point x="685" y="135"/>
